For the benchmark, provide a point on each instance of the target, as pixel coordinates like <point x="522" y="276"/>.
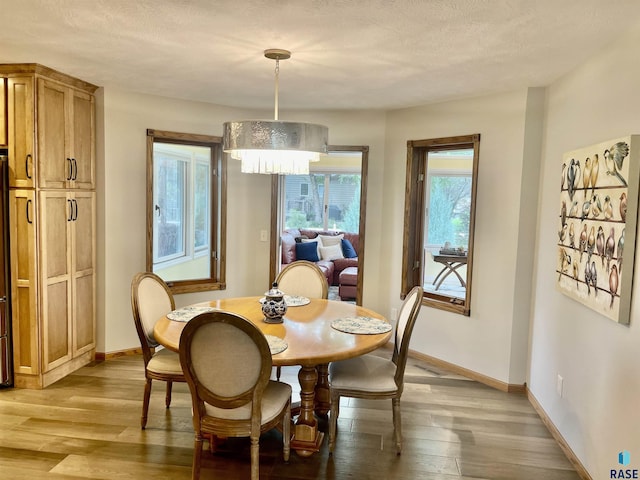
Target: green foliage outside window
<point x="449" y="200"/>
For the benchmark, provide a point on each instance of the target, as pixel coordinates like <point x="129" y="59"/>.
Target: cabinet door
<point x="83" y="157"/>
<point x="20" y="109"/>
<point x="82" y="266"/>
<point x="24" y="282"/>
<point x="56" y="214"/>
<point x="54" y="143"/>
<point x="3" y="117"/>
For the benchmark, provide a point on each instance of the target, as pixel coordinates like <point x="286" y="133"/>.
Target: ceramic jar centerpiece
<point x="274" y="306"/>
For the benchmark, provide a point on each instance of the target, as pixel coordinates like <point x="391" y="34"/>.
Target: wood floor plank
<point x="505" y="471"/>
<point x="37" y="461"/>
<point x="27" y="473"/>
<point x="89" y="468"/>
<point x="87" y="426"/>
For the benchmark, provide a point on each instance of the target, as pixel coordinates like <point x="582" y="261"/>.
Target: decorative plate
<point x="276" y="344"/>
<point x="187" y="313"/>
<point x="361" y="325"/>
<point x="293" y="300"/>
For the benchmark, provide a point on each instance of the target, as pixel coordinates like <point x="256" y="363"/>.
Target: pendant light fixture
<point x="275" y="146"/>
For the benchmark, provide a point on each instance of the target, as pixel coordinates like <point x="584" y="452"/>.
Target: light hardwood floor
<point x="87" y="425"/>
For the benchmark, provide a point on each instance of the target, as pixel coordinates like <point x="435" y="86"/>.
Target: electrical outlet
<point x="559" y="385"/>
<point x="263" y="235"/>
<point x="394" y="314"/>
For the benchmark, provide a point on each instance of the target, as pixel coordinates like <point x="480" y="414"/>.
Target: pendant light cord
<point x="275" y="112"/>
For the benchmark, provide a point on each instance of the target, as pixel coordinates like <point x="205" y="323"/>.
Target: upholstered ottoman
<point x="348" y="282"/>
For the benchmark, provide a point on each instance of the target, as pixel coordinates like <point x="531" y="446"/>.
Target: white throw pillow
<point x="329" y="240"/>
<point x="331" y="252"/>
<point x="318" y="240"/>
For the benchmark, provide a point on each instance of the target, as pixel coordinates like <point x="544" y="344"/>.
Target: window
<point x="185" y="221"/>
<point x="330" y="201"/>
<point x="439" y="221"/>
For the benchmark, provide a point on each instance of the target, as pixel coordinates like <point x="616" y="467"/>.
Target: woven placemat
<point x="296" y="300"/>
<point x="185" y="314"/>
<point x="361" y="325"/>
<point x="293" y="300"/>
<point x="276" y="344"/>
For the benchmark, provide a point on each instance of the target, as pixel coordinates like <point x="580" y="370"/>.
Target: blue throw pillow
<point x="307" y="251"/>
<point x="347" y="249"/>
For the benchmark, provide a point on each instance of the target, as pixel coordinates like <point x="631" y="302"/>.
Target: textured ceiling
<point x="345" y="53"/>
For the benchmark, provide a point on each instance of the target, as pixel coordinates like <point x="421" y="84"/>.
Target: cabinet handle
<point x="74" y="169"/>
<point x="70" y="217"/>
<point x="26" y="166"/>
<point x="75" y="208"/>
<point x="70" y="176"/>
<point x="28" y="216"/>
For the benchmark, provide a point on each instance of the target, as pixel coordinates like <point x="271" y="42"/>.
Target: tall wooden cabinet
<point x="51" y="144"/>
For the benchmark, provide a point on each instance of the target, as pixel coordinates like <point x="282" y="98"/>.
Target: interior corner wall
<point x="124" y="118"/>
<point x="482" y="342"/>
<point x="528" y="219"/>
<point x="598" y="359"/>
<point x="100" y="225"/>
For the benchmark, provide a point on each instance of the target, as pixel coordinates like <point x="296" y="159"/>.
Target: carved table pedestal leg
<point x="306" y="438"/>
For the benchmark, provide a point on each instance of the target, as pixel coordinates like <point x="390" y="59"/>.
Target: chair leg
<point x="167" y="400"/>
<point x="286" y="433"/>
<point x="145" y="403"/>
<point x="197" y="457"/>
<point x="214" y="441"/>
<point x="333" y="419"/>
<point x="278" y="372"/>
<point x="255" y="457"/>
<point x="397" y="424"/>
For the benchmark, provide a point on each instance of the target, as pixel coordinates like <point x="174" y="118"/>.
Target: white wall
<point x="599" y="359"/>
<point x="121" y="189"/>
<point x="482" y="342"/>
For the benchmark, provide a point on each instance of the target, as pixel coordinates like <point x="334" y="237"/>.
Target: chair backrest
<point x="150" y="300"/>
<point x="227" y="364"/>
<point x="303" y="278"/>
<point x="404" y="328"/>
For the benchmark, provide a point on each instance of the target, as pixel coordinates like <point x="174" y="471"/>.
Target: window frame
<point x="216" y="206"/>
<point x="414" y="219"/>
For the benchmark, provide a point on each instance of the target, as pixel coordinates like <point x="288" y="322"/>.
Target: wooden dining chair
<point x="373" y="377"/>
<point x="150" y="300"/>
<point x="227" y="364"/>
<point x="303" y="278"/>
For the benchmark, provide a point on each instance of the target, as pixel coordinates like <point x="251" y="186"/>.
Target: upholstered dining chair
<point x="373" y="377"/>
<point x="227" y="364"/>
<point x="150" y="300"/>
<point x="303" y="278"/>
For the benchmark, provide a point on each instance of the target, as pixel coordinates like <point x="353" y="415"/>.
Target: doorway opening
<point x="329" y="201"/>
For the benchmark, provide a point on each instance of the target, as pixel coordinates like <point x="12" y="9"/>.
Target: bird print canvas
<point x="596" y="213"/>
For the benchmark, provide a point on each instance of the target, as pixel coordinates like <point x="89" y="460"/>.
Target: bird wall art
<point x="597" y="214"/>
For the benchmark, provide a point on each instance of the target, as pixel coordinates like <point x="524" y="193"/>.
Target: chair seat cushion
<point x="165" y="362"/>
<point x="368" y="373"/>
<point x="274" y="398"/>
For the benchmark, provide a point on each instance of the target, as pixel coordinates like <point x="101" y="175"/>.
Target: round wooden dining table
<point x="311" y="342"/>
